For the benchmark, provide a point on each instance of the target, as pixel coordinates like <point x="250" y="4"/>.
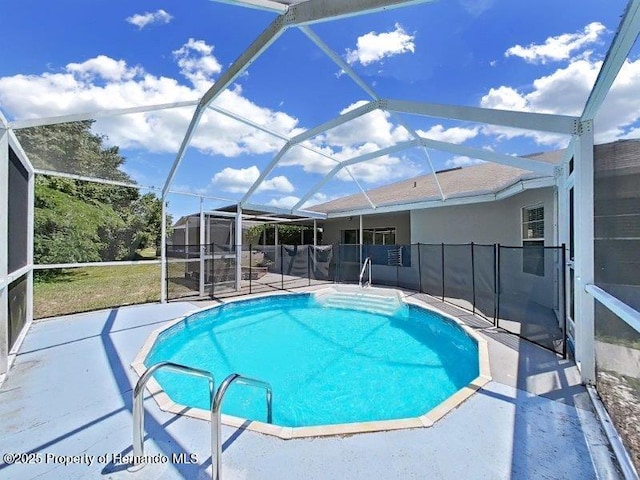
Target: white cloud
<point x="197" y="63"/>
<point x="365" y="134"/>
<point x="476" y="8"/>
<point x="284" y="202"/>
<point x="383" y="169"/>
<point x="238" y="180"/>
<point x="565" y="92"/>
<point x="451" y="135"/>
<point x="373" y="47"/>
<point x="289" y="201"/>
<point x="372" y="127"/>
<point x="558" y="48"/>
<point x="103" y="83"/>
<point x="141" y="20"/>
<point x="461" y="161"/>
<point x="318" y="198"/>
<point x="105" y="68"/>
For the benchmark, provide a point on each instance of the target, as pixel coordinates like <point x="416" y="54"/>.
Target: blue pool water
<point x="326" y="365"/>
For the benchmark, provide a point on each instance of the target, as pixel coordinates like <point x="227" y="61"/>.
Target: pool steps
<point x="363" y="299"/>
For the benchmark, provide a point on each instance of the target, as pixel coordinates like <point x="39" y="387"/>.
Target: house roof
<point x="460" y="182"/>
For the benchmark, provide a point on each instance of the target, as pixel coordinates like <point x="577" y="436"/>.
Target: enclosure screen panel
<point x="18" y="211"/>
<point x="17" y="308"/>
<point x="617" y="220"/>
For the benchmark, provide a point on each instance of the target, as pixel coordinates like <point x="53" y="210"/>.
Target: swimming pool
<point x="327" y="364"/>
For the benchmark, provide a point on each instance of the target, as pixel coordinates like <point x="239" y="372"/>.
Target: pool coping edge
<point x="426" y="420"/>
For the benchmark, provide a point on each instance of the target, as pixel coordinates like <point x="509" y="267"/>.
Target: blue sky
<point x="75" y="56"/>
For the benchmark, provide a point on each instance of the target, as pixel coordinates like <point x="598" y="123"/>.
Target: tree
<point x="79" y="221"/>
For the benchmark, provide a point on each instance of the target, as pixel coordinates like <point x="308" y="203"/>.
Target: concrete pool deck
<point x="69" y="394"/>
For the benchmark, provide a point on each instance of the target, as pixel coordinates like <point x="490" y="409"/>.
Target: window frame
<point x="530" y="245"/>
<point x="373" y="231"/>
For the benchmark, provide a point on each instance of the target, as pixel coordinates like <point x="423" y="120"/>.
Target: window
<point x="533" y="240"/>
<point x="370" y="236"/>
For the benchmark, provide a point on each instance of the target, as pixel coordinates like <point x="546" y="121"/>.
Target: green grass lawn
<point x="93" y="288"/>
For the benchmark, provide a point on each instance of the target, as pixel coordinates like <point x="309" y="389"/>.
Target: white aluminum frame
<point x="581" y="148"/>
<point x="302" y="15"/>
<point x="4" y="236"/>
<point x="9" y="140"/>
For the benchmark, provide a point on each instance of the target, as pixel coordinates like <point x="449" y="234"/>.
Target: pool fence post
<point x="473" y="279"/>
<point x="563" y="289"/>
<point x="398" y="263"/>
<point x="164" y="265"/>
<point x="315" y="240"/>
<point x="419" y="270"/>
<point x="442" y="249"/>
<point x="238" y="242"/>
<point x="250" y="268"/>
<point x="213" y="269"/>
<point x="201" y="245"/>
<point x="281" y="267"/>
<point x="497" y="280"/>
<point x="309" y="263"/>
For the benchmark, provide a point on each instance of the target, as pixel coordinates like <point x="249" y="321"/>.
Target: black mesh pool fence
<point x="519" y="289"/>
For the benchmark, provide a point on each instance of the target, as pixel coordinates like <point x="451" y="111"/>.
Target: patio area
<point x="69" y="394"/>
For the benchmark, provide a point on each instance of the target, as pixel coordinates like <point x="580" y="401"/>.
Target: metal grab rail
<point x="367" y="261"/>
<point x="138" y="411"/>
<point x="216" y="462"/>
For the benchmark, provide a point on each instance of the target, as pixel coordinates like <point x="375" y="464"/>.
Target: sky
<point x="76" y="56"/>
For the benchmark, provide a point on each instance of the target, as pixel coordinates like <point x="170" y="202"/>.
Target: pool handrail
<point x="138" y="407"/>
<point x="216" y="421"/>
<point x="367" y="261"/>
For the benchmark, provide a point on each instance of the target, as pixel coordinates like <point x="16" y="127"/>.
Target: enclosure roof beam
<point x="525" y="120"/>
<point x="267" y="5"/>
<point x="337" y="121"/>
<point x="246" y="121"/>
<point x="568" y="153"/>
<point x="513" y="161"/>
<point x="14" y="143"/>
<point x="352" y="161"/>
<point x="248" y="56"/>
<point x="310" y="11"/>
<point x="281" y="136"/>
<point x="345" y="67"/>
<point x="315" y="11"/>
<point x="312" y="132"/>
<point x="77" y="117"/>
<point x="536" y="166"/>
<point x="117" y="183"/>
<point x="286" y="211"/>
<point x="337" y="59"/>
<point x="285" y="138"/>
<point x="616" y="56"/>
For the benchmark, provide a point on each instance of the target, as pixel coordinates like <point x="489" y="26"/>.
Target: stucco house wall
<point x="499" y="222"/>
<point x="488" y="222"/>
